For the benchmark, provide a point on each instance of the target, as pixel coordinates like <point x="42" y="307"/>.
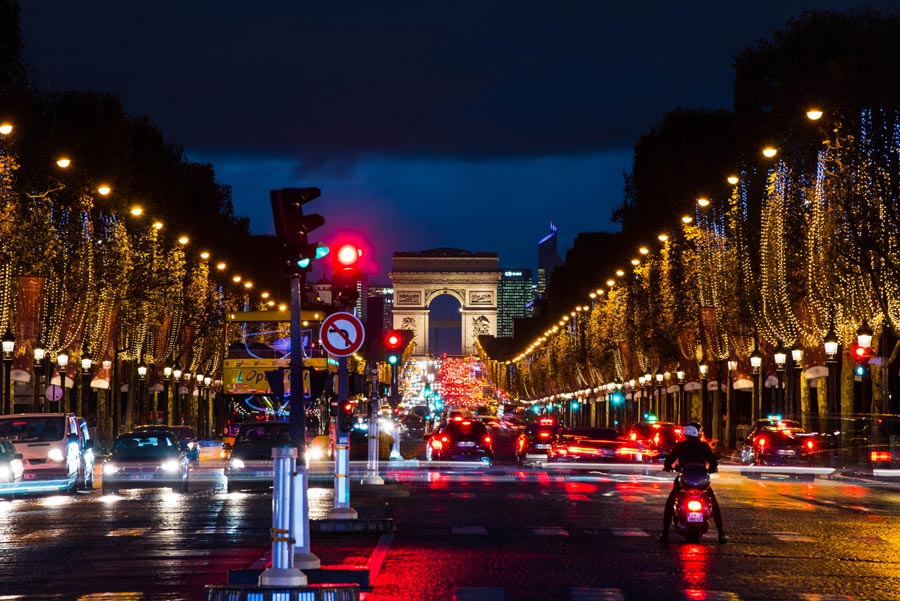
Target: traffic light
<point x="861" y="356"/>
<point x="292" y="228"/>
<point x="393" y="343"/>
<point x="345" y="275"/>
<point x="345" y="419"/>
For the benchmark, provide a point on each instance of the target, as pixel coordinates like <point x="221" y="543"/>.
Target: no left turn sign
<point x="341" y="334"/>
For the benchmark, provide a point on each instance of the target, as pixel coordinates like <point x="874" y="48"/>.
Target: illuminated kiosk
<point x="469" y="277"/>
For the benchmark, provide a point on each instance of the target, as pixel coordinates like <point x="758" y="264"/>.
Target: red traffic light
<point x="393" y="340"/>
<point x="861" y="354"/>
<point x="348" y="256"/>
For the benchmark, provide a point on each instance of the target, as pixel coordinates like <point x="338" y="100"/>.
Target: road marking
<point x="692" y="593"/>
<point x="42" y="534"/>
<point x="468" y="530"/>
<point x="127" y="532"/>
<point x="550" y="531"/>
<point x="818" y="597"/>
<point x="479" y="594"/>
<point x="627" y="532"/>
<point x="792" y="537"/>
<point x="113" y="596"/>
<point x="378" y="555"/>
<point x="597" y="594"/>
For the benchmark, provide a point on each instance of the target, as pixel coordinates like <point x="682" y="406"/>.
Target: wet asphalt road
<point x="507" y="533"/>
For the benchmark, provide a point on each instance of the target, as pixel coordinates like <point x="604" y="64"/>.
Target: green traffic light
<point x="393" y="359"/>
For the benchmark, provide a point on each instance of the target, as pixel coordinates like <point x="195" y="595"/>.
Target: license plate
<point x="542" y="446"/>
<point x="465" y="443"/>
<point x="139" y="477"/>
<point x="695" y="516"/>
<point x="786" y="452"/>
<point x="263" y="474"/>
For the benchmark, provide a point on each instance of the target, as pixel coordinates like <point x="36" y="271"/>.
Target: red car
<point x="596" y="445"/>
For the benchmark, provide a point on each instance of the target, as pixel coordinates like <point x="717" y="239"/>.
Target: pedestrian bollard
<point x="282" y="572"/>
<point x="342" y="509"/>
<point x="372" y="476"/>
<point x="304" y="559"/>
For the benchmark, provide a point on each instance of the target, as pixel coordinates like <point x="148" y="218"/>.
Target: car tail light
<point x="633" y="436"/>
<point x="695" y="505"/>
<point x="656" y="439"/>
<point x="810" y="445"/>
<point x="487" y="440"/>
<point x="562" y="451"/>
<point x="880" y="456"/>
<point x="626" y="451"/>
<point x="761" y="442"/>
<point x="437" y="444"/>
<point x="544" y="434"/>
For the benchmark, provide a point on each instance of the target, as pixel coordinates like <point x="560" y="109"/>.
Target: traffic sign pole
<point x="342" y="509"/>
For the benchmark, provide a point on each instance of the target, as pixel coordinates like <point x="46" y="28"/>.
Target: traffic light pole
<point x="303" y="558"/>
<point x="342" y="509"/>
<point x="372" y="475"/>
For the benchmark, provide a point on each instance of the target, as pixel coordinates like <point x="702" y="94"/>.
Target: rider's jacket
<point x="691" y="450"/>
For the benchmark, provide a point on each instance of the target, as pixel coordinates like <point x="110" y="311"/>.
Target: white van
<point x="57" y="451"/>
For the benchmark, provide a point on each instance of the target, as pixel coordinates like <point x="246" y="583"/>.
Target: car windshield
<point x="33" y="428"/>
<point x="265" y="434"/>
<point x="7" y="451"/>
<point x="150" y="445"/>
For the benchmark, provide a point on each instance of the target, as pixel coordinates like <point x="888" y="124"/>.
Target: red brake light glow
<point x="762" y="442"/>
<point x="544" y="434"/>
<point x="810" y="445"/>
<point x="695" y="505"/>
<point x="880" y="456"/>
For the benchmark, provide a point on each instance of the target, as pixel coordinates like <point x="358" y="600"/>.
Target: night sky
<point x="468" y="124"/>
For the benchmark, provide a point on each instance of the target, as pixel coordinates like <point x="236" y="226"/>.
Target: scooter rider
<point x="691" y="450"/>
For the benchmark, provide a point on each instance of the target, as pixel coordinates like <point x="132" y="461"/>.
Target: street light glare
<point x="733" y="179"/>
<point x="103" y="189"/>
<point x="183" y="240"/>
<point x="136" y="211"/>
<point x="63" y="162"/>
<point x="769" y="152"/>
<point x="814" y="114"/>
<point x="703" y="202"/>
<point x="6" y="129"/>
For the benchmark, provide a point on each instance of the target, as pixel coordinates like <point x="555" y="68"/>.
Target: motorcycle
<point x="693" y="509"/>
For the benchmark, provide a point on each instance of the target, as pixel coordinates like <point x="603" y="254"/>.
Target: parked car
<point x="462" y="439"/>
<point x="535" y="440"/>
<point x="778" y="442"/>
<point x="11" y="468"/>
<point x="57" y="450"/>
<point x="185" y="436"/>
<point x="572" y="445"/>
<point x="249" y="463"/>
<point x="152" y="459"/>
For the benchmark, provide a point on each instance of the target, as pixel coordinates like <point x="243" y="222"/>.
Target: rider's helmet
<point x="693" y="429"/>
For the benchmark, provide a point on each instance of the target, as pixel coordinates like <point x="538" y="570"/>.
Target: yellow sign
<point x="248" y="376"/>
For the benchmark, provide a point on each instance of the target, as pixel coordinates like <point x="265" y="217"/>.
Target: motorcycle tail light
<point x="695" y="505"/>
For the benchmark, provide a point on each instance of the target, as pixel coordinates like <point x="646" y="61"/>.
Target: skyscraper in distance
<point x="515" y="296"/>
<point x="548" y="260"/>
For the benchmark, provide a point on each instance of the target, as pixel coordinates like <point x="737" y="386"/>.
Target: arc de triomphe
<point x="470" y="277"/>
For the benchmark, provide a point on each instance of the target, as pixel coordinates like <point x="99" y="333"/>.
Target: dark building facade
<point x="515" y="299"/>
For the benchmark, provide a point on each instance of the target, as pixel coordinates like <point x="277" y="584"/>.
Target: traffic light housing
<point x="345" y="275"/>
<point x="292" y="228"/>
<point x="345" y="418"/>
<point x="861" y="356"/>
<point x="393" y="344"/>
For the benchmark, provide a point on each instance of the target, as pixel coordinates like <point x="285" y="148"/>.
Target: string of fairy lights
<point x="65" y="323"/>
<point x="838" y="295"/>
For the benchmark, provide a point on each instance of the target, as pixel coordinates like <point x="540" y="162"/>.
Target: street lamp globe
<point x="9" y="343"/>
<point x="797" y="355"/>
<point x="755" y="360"/>
<point x="863" y="335"/>
<point x="704" y="369"/>
<point x="167" y="372"/>
<point x="831" y="343"/>
<point x="62" y="359"/>
<point x="39" y="353"/>
<point x="142" y="371"/>
<point x="780" y="356"/>
<point x="86" y="361"/>
<point x="176" y="372"/>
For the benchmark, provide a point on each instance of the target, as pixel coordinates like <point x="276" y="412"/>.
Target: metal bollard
<point x="372" y="476"/>
<point x="282" y="572"/>
<point x="342" y="509"/>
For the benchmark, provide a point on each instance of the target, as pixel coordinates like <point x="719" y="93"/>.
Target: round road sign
<point x="341" y="334"/>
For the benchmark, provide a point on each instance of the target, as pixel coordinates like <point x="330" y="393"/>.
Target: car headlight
<point x="6" y="473"/>
<point x="109" y="469"/>
<point x="316" y="453"/>
<point x="170" y="465"/>
<point x="55" y="455"/>
<point x="236" y="463"/>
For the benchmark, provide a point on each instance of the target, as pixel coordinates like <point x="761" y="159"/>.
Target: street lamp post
<point x="176" y="394"/>
<point x="201" y="409"/>
<point x="780" y="356"/>
<point x="659" y="399"/>
<point x="167" y="375"/>
<point x="139" y="402"/>
<point x="730" y="409"/>
<point x="84" y="395"/>
<point x="704" y="407"/>
<point x="207" y="383"/>
<point x="831" y="349"/>
<point x="756" y="364"/>
<point x="796" y="375"/>
<point x="683" y="409"/>
<point x="864" y="341"/>
<point x="62" y="360"/>
<point x="9" y="344"/>
<point x="39" y="354"/>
